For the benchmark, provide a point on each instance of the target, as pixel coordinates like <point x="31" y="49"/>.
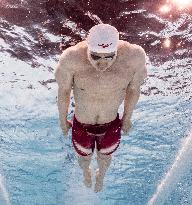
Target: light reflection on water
<point x="4" y="196"/>
<point x="180" y="167"/>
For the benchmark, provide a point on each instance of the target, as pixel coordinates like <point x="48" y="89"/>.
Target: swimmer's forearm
<point x="63" y="104"/>
<point x="131" y="99"/>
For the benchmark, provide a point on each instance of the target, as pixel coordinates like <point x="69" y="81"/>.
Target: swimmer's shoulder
<point x="133" y="50"/>
<point x="72" y="55"/>
<point x="82" y="45"/>
<point x="77" y="51"/>
<point x="135" y="56"/>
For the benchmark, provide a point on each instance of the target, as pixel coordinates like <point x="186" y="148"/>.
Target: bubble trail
<point x="180" y="167"/>
<point x="4" y="196"/>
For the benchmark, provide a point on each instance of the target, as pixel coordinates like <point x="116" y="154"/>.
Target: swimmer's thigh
<point x="108" y="143"/>
<point x="83" y="143"/>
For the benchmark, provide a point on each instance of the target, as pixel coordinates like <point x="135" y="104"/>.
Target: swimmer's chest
<point x="109" y="80"/>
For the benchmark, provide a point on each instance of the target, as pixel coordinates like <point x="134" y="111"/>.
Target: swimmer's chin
<point x="98" y="68"/>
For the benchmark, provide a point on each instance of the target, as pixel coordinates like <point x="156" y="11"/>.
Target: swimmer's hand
<point x="126" y="126"/>
<point x="65" y="126"/>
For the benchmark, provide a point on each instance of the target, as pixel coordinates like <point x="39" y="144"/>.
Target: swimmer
<point x="102" y="71"/>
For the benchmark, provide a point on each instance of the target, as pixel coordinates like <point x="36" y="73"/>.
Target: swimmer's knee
<point x="84" y="161"/>
<point x="103" y="160"/>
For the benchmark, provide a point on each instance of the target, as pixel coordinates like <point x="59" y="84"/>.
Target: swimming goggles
<point x="95" y="57"/>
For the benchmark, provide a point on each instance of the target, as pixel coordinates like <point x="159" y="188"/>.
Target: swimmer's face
<point x="102" y="61"/>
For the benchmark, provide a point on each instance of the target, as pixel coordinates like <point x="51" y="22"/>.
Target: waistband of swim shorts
<point x="96" y="125"/>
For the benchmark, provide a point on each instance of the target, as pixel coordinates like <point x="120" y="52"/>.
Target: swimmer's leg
<point x="84" y="162"/>
<point x="104" y="162"/>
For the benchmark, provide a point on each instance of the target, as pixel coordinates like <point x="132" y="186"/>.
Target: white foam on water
<point x="4" y="196"/>
<point x="179" y="168"/>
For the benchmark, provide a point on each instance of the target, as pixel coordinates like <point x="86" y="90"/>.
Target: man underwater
<point x="102" y="71"/>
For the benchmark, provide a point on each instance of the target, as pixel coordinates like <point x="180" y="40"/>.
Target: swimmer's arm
<point x="131" y="99"/>
<point x="133" y="88"/>
<point x="63" y="104"/>
<point x="64" y="78"/>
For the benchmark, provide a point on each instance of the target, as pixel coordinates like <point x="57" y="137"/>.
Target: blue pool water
<point x="40" y="168"/>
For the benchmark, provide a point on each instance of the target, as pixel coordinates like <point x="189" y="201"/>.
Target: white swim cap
<point x="103" y="38"/>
